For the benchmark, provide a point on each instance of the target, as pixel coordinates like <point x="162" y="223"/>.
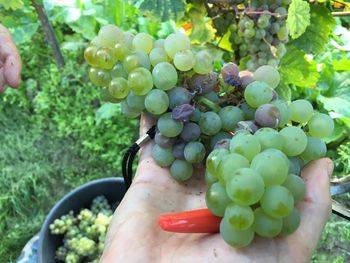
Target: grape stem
<point x="209" y="104"/>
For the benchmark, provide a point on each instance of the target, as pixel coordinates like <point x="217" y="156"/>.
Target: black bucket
<point x="112" y="188"/>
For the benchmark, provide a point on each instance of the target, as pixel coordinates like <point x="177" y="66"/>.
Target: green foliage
<point x="316" y="36"/>
<point x="165" y="9"/>
<point x="298" y="17"/>
<point x="13" y="4"/>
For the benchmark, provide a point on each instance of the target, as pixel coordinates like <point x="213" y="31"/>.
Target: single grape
<point x="99" y="77"/>
<point x="265" y="225"/>
<point x="269" y="138"/>
<point x="190" y="132"/>
<point x="203" y="84"/>
<point x="179" y="96"/>
<point x="164" y="76"/>
<point x="230" y="116"/>
<point x="210" y="123"/>
<point x="218" y="137"/>
<point x="181" y="170"/>
<point x="301" y="110"/>
<point x="109" y="35"/>
<point x="143" y="42"/>
<point x="178" y="150"/>
<point x="90" y="55"/>
<point x="296" y="185"/>
<point x="320" y="125"/>
<point x="267" y="115"/>
<point x="135" y="101"/>
<point x="213" y="160"/>
<point x="230" y="74"/>
<point x="182" y="113"/>
<point x="184" y="60"/>
<point x="158" y="55"/>
<point x="233" y="237"/>
<point x="164" y="141"/>
<point x="257" y="93"/>
<point x="212" y="96"/>
<point x="248" y="112"/>
<point x="169" y="127"/>
<point x="176" y="42"/>
<point x="245" y="144"/>
<point x="157" y="101"/>
<point x="129" y="112"/>
<point x="159" y="43"/>
<point x="284" y="112"/>
<point x="196" y="116"/>
<point x="247" y="77"/>
<point x="291" y="222"/>
<point x="204" y="62"/>
<point x="282" y="33"/>
<point x="194" y="152"/>
<point x="315" y="149"/>
<point x="295" y="140"/>
<point x="121" y="50"/>
<point x="118" y="88"/>
<point x="209" y="178"/>
<point x="136" y="59"/>
<point x="295" y="165"/>
<point x="272" y="167"/>
<point x="268" y="74"/>
<point x="118" y="71"/>
<point x="140" y="81"/>
<point x="107" y="97"/>
<point x="240" y="217"/>
<point x="245" y="186"/>
<point x="277" y="201"/>
<point x="162" y="156"/>
<point x="216" y="199"/>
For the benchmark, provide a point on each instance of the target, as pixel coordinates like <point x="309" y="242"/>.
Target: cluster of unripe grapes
<point x="84" y="234"/>
<point x="252" y="143"/>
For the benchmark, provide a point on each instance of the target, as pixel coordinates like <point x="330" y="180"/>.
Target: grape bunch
<point x="261" y="33"/>
<point x="253" y="143"/>
<point x="84" y="233"/>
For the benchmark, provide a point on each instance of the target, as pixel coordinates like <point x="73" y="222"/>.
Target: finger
<point x="2" y="80"/>
<point x="146" y="122"/>
<point x="12" y="70"/>
<point x="316" y="207"/>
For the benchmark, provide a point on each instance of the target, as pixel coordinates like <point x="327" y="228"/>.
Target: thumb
<point x="146" y="122"/>
<point x="315" y="209"/>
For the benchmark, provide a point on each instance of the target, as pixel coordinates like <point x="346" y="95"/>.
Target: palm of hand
<point x="134" y="235"/>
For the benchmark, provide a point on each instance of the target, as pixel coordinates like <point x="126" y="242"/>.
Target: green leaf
<point x="298" y="17"/>
<point x="297" y="70"/>
<point x="225" y="42"/>
<point x="202" y="31"/>
<point x="316" y="36"/>
<point x="24" y="33"/>
<point x="106" y="111"/>
<point x="341" y="65"/>
<point x="11" y="4"/>
<point x="284" y="92"/>
<point x="164" y="9"/>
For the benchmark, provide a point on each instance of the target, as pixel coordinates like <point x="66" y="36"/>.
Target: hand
<point x="10" y="61"/>
<point x="134" y="235"/>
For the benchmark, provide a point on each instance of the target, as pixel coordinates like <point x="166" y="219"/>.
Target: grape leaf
<point x="11" y="4"/>
<point x="284" y="92"/>
<point x="202" y="31"/>
<point x="341" y="64"/>
<point x="298" y="18"/>
<point x="297" y="70"/>
<point x="314" y="40"/>
<point x="107" y="111"/>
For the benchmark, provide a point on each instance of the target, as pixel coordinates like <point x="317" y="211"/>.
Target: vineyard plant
<point x="282" y="68"/>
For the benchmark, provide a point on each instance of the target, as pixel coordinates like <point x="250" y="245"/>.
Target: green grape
<point x="99" y="77"/>
<point x="90" y="55"/>
<point x="240" y="217"/>
<point x="268" y="75"/>
<point x="296" y="185"/>
<point x="218" y="137"/>
<point x="176" y="42"/>
<point x="249" y="32"/>
<point x="213" y="160"/>
<point x="320" y="125"/>
<point x="129" y="112"/>
<point x="164" y="76"/>
<point x="315" y="149"/>
<point x="194" y="152"/>
<point x="230" y="116"/>
<point x="209" y="178"/>
<point x="196" y="116"/>
<point x="282" y="33"/>
<point x="284" y="112"/>
<point x="121" y="50"/>
<point x="118" y="71"/>
<point x="143" y="41"/>
<point x="210" y="123"/>
<point x="233" y="237"/>
<point x="109" y="35"/>
<point x="136" y="102"/>
<point x="184" y="60"/>
<point x="265" y="225"/>
<point x="140" y="81"/>
<point x="245" y="144"/>
<point x="269" y="138"/>
<point x="247" y="111"/>
<point x="181" y="170"/>
<point x="159" y="43"/>
<point x="228" y="164"/>
<point x="169" y="127"/>
<point x="291" y="222"/>
<point x="158" y="55"/>
<point x="157" y="101"/>
<point x="118" y="88"/>
<point x="136" y="59"/>
<point x="272" y="166"/>
<point x="216" y="199"/>
<point x="295" y="140"/>
<point x="301" y="111"/>
<point x="204" y="62"/>
<point x="245" y="187"/>
<point x="257" y="93"/>
<point x="277" y="201"/>
<point x="162" y="156"/>
<point x="106" y="96"/>
<point x="104" y="58"/>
